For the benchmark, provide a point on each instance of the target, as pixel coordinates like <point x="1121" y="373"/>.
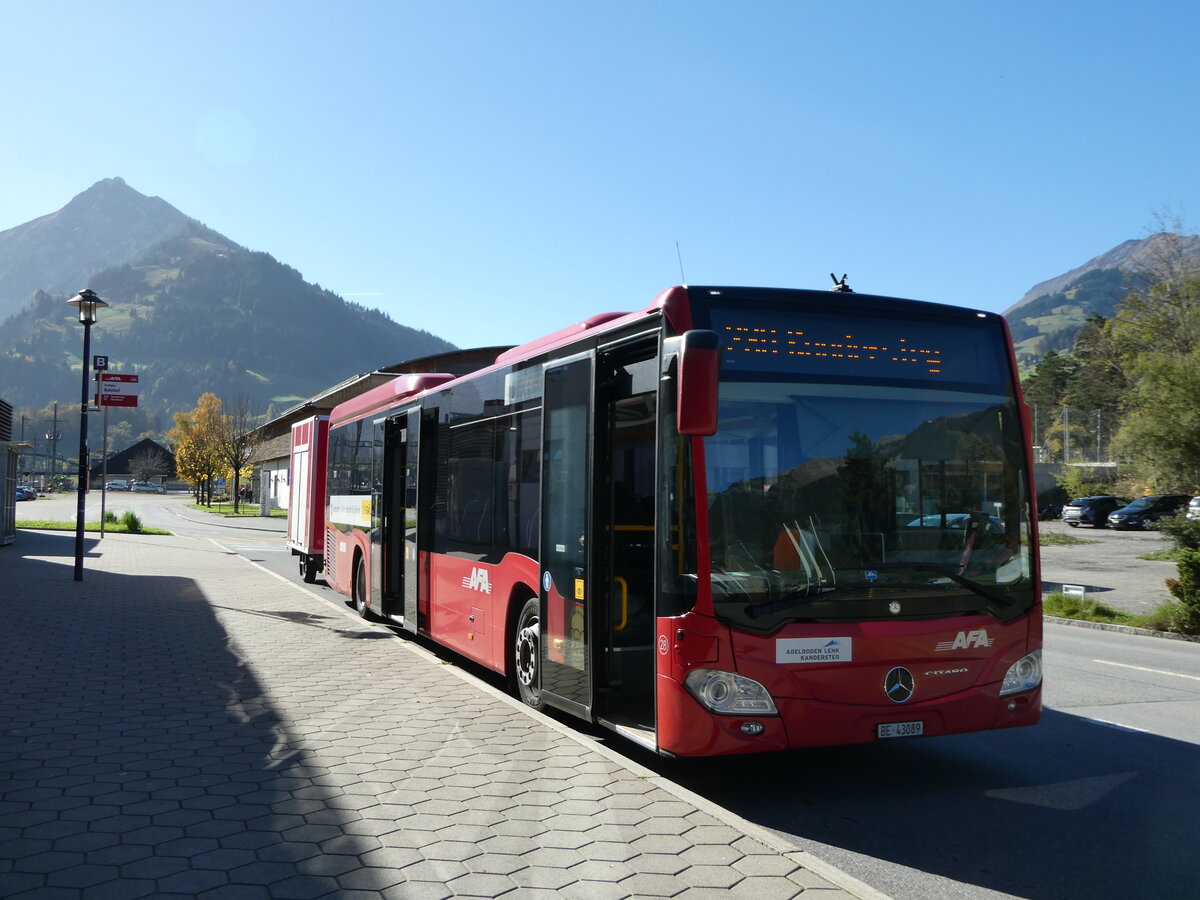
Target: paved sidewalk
<point x="183" y="723"/>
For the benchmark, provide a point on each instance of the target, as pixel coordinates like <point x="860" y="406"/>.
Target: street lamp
<point x="88" y="303"/>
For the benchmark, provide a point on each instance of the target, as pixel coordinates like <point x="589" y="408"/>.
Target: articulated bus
<point x="737" y="520"/>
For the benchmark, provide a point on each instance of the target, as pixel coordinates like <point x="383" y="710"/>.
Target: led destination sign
<point x="839" y="346"/>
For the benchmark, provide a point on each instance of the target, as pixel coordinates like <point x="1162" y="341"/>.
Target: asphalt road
<point x="1097" y="801"/>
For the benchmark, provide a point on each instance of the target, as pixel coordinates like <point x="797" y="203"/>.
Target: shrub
<point x="110" y="517"/>
<point x="131" y="522"/>
<point x="1183" y="532"/>
<point x="1186" y="589"/>
<point x="1073" y="607"/>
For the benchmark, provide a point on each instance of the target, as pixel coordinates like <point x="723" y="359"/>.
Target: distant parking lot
<point x="1109" y="568"/>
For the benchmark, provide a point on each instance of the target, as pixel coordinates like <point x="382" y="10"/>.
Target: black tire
<point x="308" y="568"/>
<point x="526" y="654"/>
<point x="360" y="591"/>
<point x="1073" y="524"/>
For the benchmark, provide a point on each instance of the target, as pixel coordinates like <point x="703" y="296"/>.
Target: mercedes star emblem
<point x="898" y="684"/>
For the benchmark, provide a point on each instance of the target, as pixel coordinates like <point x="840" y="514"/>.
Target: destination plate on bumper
<point x="899" y="729"/>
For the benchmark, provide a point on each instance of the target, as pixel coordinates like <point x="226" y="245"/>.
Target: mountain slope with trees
<point x="1052" y="314"/>
<point x="108" y="225"/>
<point x="195" y="313"/>
<point x="1128" y="387"/>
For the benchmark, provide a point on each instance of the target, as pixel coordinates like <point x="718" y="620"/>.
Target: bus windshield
<point x="832" y="501"/>
<point x="847" y="497"/>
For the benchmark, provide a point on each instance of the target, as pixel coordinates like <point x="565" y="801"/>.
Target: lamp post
<point x="88" y="303"/>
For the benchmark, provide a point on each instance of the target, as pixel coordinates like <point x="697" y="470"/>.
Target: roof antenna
<point x="682" y="277"/>
<point x="841" y="286"/>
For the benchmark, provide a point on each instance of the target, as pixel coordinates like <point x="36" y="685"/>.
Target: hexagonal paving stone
<point x="369" y="879"/>
<point x="303" y="887"/>
<point x="650" y="885"/>
<point x="81" y="876"/>
<point x="48" y="861"/>
<point x="722" y="877"/>
<point x="711" y="855"/>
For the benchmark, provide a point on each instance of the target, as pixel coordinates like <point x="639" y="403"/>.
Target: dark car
<point x="1145" y="511"/>
<point x="1091" y="510"/>
<point x="1049" y="512"/>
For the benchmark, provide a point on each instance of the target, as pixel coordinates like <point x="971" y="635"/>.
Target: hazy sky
<point x="492" y="171"/>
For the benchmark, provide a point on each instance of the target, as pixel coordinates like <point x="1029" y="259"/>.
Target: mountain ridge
<point x="1051" y="313"/>
<point x="190" y="311"/>
<point x="59" y="252"/>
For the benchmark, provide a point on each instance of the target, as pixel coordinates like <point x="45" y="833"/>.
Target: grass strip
<point x="111" y="527"/>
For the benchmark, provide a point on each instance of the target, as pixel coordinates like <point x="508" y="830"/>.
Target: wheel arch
<point x="518" y="596"/>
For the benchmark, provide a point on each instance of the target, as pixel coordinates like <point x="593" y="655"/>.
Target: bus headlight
<point x="725" y="692"/>
<point x="1023" y="675"/>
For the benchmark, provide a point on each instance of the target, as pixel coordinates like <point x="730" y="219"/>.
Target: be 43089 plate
<point x="899" y="729"/>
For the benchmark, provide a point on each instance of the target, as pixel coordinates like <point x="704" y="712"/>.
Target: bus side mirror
<point x="699" y="362"/>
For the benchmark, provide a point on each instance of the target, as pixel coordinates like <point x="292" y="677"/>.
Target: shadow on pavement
<point x="139" y="755"/>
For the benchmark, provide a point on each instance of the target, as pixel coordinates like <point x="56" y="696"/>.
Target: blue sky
<point x="493" y="171"/>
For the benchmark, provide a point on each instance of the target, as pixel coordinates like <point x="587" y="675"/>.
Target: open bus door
<point x="566" y="590"/>
<point x="597" y="542"/>
<point x="388" y="519"/>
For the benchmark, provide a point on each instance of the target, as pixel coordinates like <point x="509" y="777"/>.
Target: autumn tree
<point x="197" y="439"/>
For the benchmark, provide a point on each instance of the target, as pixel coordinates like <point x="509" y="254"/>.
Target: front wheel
<point x="1073" y="524"/>
<point x="526" y="653"/>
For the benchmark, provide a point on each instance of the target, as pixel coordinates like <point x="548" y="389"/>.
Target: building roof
<point x="122" y="463"/>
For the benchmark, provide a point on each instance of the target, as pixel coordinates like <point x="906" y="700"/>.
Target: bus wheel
<point x="360" y="591"/>
<point x="308" y="568"/>
<point x="525" y="653"/>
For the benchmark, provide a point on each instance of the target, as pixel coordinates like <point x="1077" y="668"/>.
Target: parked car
<point x="1193" y="510"/>
<point x="25" y="492"/>
<point x="1050" y="512"/>
<point x="1145" y="511"/>
<point x="957" y="521"/>
<point x="146" y="487"/>
<point x="117" y="485"/>
<point x="1091" y="510"/>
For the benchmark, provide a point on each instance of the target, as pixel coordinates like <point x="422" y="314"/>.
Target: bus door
<point x="566" y="590"/>
<point x="627" y="395"/>
<point x="387" y="525"/>
<point x="408" y="534"/>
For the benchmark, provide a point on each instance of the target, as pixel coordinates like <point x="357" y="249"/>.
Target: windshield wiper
<point x="754" y="610"/>
<point x="996" y="598"/>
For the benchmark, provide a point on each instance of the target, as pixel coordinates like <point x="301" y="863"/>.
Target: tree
<point x="237" y="444"/>
<point x="1162" y="430"/>
<point x="148" y="463"/>
<point x="197" y="439"/>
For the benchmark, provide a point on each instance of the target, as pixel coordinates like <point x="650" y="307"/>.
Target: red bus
<point x="736" y="520"/>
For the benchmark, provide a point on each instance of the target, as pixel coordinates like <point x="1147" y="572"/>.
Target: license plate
<point x="899" y="729"/>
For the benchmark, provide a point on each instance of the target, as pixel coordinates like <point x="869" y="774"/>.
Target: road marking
<point x="1105" y="662"/>
<point x="1117" y="725"/>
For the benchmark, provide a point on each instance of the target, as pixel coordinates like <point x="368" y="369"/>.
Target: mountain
<point x="107" y="225"/>
<point x="190" y="311"/>
<point x="1050" y="315"/>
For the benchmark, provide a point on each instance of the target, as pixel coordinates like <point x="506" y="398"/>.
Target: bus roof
<point x="386" y="395"/>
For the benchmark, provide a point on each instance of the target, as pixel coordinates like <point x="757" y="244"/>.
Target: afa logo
<point x="966" y="640"/>
<point x="478" y="581"/>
